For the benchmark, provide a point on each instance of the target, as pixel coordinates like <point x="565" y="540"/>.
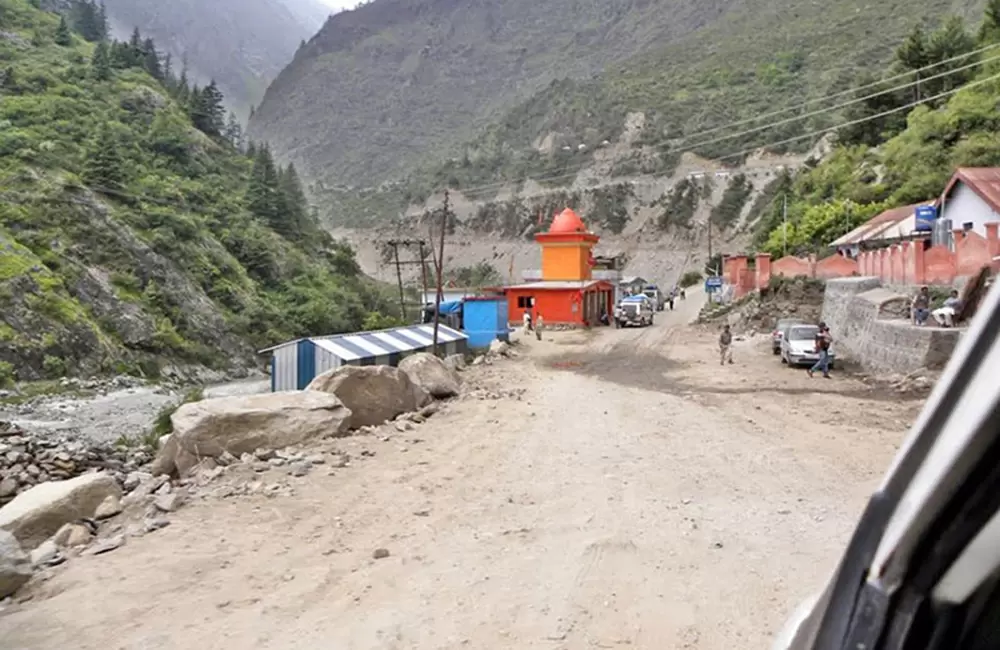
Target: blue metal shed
<point x="485" y="319"/>
<point x="296" y="363"/>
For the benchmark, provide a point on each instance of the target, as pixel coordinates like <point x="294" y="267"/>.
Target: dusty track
<point x="637" y="496"/>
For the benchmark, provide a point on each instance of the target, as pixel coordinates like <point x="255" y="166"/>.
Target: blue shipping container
<point x="926" y="215"/>
<point x="484" y="320"/>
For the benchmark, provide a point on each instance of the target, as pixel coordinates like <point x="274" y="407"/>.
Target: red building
<point x="567" y="294"/>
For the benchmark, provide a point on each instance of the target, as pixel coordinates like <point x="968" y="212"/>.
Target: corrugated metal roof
<point x="984" y="181"/>
<point x="877" y="227"/>
<point x="361" y="345"/>
<point x="557" y="284"/>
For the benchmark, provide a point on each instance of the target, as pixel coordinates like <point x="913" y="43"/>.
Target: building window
<point x="525" y="302"/>
<point x="967" y="226"/>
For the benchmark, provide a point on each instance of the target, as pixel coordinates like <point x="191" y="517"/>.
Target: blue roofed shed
<point x="485" y="319"/>
<point x="296" y="363"/>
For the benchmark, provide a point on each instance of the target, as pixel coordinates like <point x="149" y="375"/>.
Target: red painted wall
<point x="555" y="305"/>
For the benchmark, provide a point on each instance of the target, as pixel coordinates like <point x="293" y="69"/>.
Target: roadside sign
<point x="713" y="283"/>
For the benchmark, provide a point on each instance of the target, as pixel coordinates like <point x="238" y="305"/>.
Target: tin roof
<point x="984" y="181"/>
<point x="361" y="345"/>
<point x="558" y="284"/>
<point x="880" y="225"/>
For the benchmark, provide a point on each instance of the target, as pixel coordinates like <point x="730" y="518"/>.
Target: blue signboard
<point x="925" y="216"/>
<point x="713" y="283"/>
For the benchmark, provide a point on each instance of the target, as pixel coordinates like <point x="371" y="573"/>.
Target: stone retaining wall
<point x="864" y="319"/>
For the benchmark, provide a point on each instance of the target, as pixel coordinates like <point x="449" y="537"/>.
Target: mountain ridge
<point x="395" y="89"/>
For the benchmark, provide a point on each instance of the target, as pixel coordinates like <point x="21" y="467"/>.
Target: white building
<point x="972" y="199"/>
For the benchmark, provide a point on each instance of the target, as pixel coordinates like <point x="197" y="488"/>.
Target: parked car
<point x="634" y="310"/>
<point x="778" y="332"/>
<point x="922" y="570"/>
<point x="798" y="345"/>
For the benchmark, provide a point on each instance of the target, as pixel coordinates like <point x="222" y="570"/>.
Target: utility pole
<point x="710" y="240"/>
<point x="399" y="279"/>
<point x="407" y="244"/>
<point x="440" y="270"/>
<point x="784" y="224"/>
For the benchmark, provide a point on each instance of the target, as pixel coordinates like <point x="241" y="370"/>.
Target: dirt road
<point x="636" y="495"/>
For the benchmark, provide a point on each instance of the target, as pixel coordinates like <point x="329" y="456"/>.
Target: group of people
<point x="823" y="342"/>
<point x="920" y="309"/>
<point x="533" y="324"/>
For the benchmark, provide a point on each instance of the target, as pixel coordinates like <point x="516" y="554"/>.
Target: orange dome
<point x="567" y="222"/>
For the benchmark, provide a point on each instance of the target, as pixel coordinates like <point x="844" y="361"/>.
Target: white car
<point x="922" y="570"/>
<point x="798" y="345"/>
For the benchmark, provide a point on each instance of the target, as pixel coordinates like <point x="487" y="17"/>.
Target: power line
<point x="864" y="119"/>
<point x="678" y="143"/>
<point x="849" y="91"/>
<point x="572" y="174"/>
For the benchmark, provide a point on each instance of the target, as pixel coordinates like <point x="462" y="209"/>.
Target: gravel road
<point x="636" y="495"/>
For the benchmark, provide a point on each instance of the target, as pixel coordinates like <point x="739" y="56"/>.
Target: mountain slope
<point x="242" y="44"/>
<point x="399" y="83"/>
<point x="394" y="80"/>
<point x="131" y="240"/>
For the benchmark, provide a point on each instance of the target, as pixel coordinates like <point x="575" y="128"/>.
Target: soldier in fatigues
<point x="725" y="346"/>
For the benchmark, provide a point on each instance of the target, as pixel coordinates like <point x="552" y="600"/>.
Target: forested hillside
<point x="903" y="157"/>
<point x="136" y="230"/>
<point x="242" y="44"/>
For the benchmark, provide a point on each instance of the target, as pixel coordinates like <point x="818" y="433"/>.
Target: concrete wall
<point x="864" y="319"/>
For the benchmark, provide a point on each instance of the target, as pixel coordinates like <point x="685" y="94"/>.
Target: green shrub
<point x="7" y="374"/>
<point x="690" y="278"/>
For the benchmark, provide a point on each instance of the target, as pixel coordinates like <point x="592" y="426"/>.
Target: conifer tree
<point x="102" y="62"/>
<point x="63" y="36"/>
<point x="151" y="60"/>
<point x="234" y="132"/>
<point x="105" y="168"/>
<point x="263" y="193"/>
<point x="989" y="31"/>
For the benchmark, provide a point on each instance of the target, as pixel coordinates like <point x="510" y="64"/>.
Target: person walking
<point x="526" y="319"/>
<point x="725" y="346"/>
<point x="538" y="325"/>
<point x="823" y="341"/>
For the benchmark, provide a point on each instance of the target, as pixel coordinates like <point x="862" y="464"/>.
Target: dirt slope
<point x="624" y="500"/>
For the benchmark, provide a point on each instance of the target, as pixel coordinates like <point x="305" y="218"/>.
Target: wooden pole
<point x="423" y="279"/>
<point x="440" y="272"/>
<point x="399" y="279"/>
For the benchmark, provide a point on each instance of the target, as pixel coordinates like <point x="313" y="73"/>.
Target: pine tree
<point x="293" y="202"/>
<point x="151" y="60"/>
<point x="263" y="190"/>
<point x="105" y="169"/>
<point x="212" y="100"/>
<point x="102" y="22"/>
<point x="912" y="54"/>
<point x="90" y="22"/>
<point x="63" y="36"/>
<point x="102" y="62"/>
<point x="167" y="68"/>
<point x="989" y="31"/>
<point x="948" y="42"/>
<point x="183" y="91"/>
<point x="234" y="132"/>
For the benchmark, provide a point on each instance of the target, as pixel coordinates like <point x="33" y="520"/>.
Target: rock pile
<point x="30" y="458"/>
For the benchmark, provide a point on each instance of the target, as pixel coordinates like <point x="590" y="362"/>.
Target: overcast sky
<point x="340" y="4"/>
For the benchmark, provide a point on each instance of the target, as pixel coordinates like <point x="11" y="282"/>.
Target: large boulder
<point x="37" y="514"/>
<point x="373" y="393"/>
<point x="244" y="423"/>
<point x="15" y="565"/>
<point x="432" y="374"/>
